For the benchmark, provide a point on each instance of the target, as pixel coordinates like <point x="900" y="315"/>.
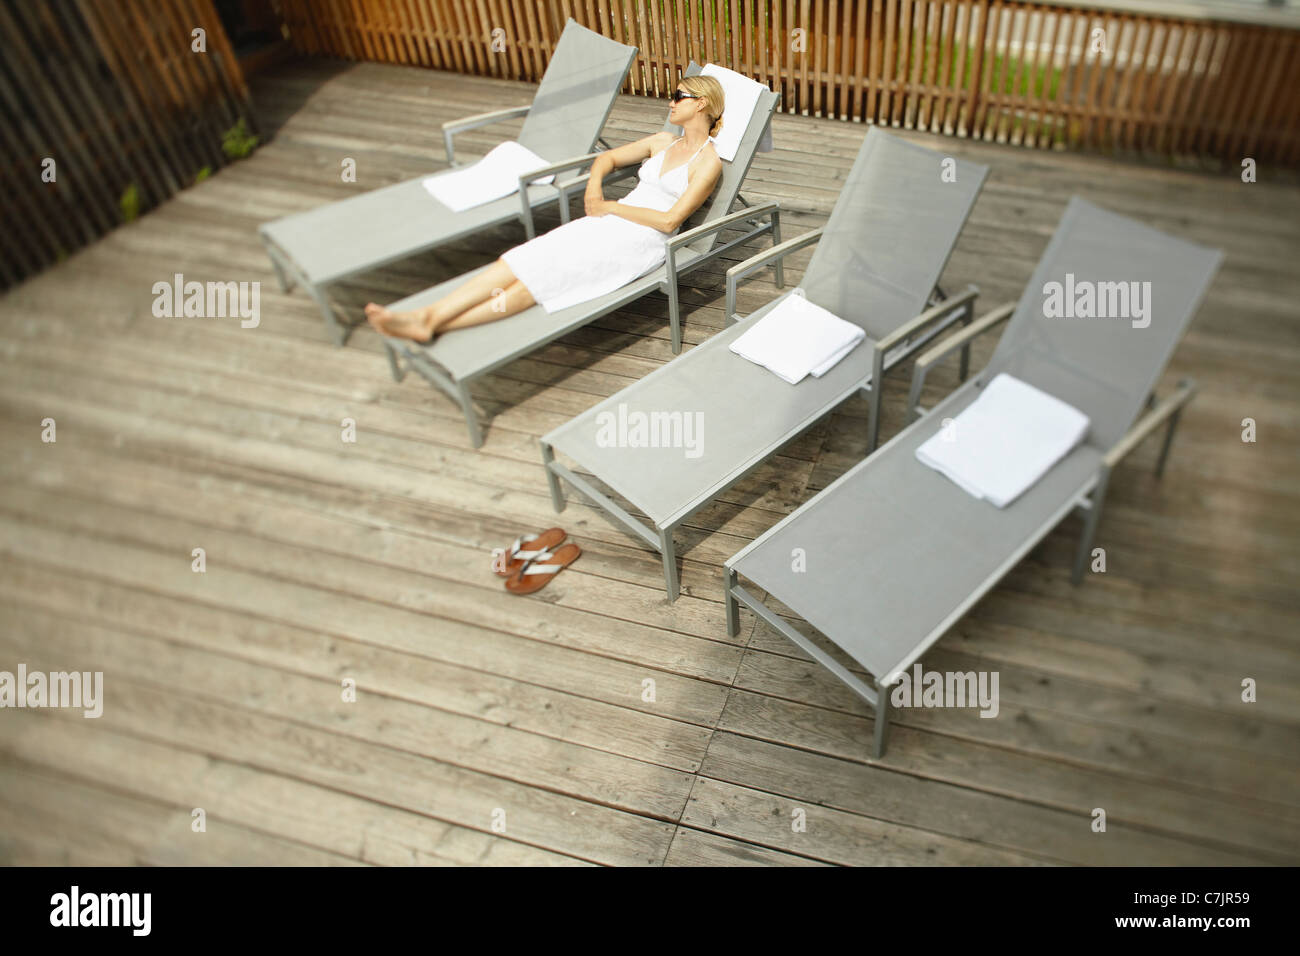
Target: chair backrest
<point x="891" y="232"/>
<point x="576" y="94"/>
<point x="734" y="172"/>
<point x="1102" y="313"/>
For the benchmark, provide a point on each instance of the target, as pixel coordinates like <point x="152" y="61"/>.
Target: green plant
<point x="129" y="203"/>
<point x="202" y="174"/>
<point x="238" y="142"/>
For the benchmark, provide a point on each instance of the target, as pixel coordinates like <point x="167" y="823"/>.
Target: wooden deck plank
<point x="311" y="815"/>
<point x="156" y="833"/>
<point x="693" y="847"/>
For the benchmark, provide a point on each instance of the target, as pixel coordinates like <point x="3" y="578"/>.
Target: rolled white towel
<point x="492" y="177"/>
<point x="742" y="96"/>
<point x="1005" y="440"/>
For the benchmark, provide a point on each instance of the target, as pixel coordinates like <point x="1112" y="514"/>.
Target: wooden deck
<point x="370" y="561"/>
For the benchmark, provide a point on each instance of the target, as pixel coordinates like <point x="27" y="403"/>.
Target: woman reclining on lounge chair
<point x="613" y="244"/>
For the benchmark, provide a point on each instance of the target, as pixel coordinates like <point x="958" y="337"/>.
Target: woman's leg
<point x="422" y="324"/>
<point x="510" y="301"/>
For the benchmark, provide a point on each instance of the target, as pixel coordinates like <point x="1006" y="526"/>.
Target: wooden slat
<point x="1201" y="41"/>
<point x="857" y="110"/>
<point x="876" y="66"/>
<point x="888" y="66"/>
<point x="1029" y="34"/>
<point x="1237" y="102"/>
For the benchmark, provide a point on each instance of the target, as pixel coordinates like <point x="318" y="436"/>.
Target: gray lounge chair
<point x="323" y="246"/>
<point x="452" y="361"/>
<point x="919" y="551"/>
<point x="879" y="256"/>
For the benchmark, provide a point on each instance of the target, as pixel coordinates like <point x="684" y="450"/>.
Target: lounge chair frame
<point x="1085" y="498"/>
<point x="301" y="246"/>
<point x="887" y="352"/>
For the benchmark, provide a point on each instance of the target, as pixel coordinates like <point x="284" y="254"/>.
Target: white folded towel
<point x="495" y="175"/>
<point x="1005" y="440"/>
<point x="742" y="96"/>
<point x="798" y="338"/>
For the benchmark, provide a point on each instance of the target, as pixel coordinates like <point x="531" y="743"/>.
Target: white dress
<point x="594" y="255"/>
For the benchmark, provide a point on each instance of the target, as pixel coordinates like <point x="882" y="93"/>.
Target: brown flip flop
<point x="534" y="574"/>
<point x="521" y="552"/>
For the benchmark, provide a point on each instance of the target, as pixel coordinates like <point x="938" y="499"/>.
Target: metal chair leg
<point x="733" y="606"/>
<point x="670" y="562"/>
<point x="281" y="274"/>
<point x="1090" y="522"/>
<point x="471" y="416"/>
<point x="393" y="364"/>
<point x="552" y="479"/>
<point x="1169" y="440"/>
<point x="873" y="415"/>
<point x="336" y="329"/>
<point x="968" y="316"/>
<point x="776" y="241"/>
<point x="674" y="315"/>
<point x="881" y="734"/>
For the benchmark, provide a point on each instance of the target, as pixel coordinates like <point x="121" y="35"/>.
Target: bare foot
<point x="374" y="313"/>
<point x="402" y="325"/>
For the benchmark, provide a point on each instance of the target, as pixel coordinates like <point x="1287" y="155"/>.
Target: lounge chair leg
<point x="776" y="241"/>
<point x="733" y="606"/>
<point x="674" y="315"/>
<point x="873" y="416"/>
<point x="552" y="479"/>
<point x="394" y="366"/>
<point x="471" y="417"/>
<point x="967" y="316"/>
<point x="281" y="274"/>
<point x="670" y="562"/>
<point x="1090" y="522"/>
<point x="881" y="735"/>
<point x="337" y="332"/>
<point x="1169" y="440"/>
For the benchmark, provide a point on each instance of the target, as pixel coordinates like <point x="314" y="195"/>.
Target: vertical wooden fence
<point x="107" y="111"/>
<point x="1034" y="74"/>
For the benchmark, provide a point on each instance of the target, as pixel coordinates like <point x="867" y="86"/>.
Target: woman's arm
<point x="700" y="187"/>
<point x="612" y="159"/>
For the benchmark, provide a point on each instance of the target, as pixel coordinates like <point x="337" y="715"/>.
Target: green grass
<point x="1036" y="81"/>
<point x="129" y="203"/>
<point x="238" y="142"/>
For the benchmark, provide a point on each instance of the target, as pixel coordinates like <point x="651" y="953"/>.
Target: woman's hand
<point x="595" y="205"/>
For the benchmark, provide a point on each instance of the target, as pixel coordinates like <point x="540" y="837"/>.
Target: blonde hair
<point x="711" y="90"/>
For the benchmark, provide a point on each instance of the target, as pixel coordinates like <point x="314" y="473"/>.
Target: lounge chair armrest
<point x="722" y="222"/>
<point x="930" y="315"/>
<point x="975" y="329"/>
<point x="1149" y="422"/>
<point x="576" y="162"/>
<point x="959" y="340"/>
<point x="525" y="180"/>
<point x="761" y="259"/>
<point x="452" y="127"/>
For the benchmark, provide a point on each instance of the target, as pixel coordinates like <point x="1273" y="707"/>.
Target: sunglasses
<point x="679" y="95"/>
